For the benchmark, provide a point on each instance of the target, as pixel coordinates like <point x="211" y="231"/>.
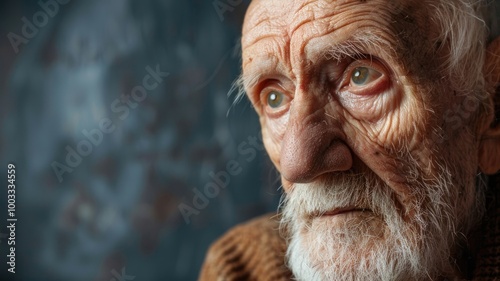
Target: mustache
<point x="342" y="191"/>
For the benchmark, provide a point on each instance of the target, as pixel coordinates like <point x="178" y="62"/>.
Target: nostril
<point x="304" y="159"/>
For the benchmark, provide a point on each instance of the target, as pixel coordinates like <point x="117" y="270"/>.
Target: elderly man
<point x="380" y="117"/>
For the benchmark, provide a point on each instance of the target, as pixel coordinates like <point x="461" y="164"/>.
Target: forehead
<point x="288" y="33"/>
<point x="283" y="15"/>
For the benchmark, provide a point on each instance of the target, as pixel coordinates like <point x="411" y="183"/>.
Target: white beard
<point x="385" y="243"/>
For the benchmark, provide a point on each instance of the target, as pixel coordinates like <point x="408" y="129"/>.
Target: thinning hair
<point x="466" y="26"/>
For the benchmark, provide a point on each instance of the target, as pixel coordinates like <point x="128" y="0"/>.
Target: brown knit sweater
<point x="255" y="250"/>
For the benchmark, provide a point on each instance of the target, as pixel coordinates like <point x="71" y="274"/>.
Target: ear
<point x="489" y="149"/>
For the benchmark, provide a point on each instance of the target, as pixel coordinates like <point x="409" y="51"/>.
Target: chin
<point x="361" y="250"/>
<point x="339" y="231"/>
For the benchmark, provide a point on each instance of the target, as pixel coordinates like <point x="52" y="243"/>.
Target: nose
<point x="312" y="145"/>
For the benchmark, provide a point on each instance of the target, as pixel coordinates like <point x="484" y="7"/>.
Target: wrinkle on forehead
<point x="355" y="45"/>
<point x="283" y="18"/>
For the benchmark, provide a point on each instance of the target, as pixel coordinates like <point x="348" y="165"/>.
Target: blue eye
<point x="364" y="75"/>
<point x="275" y="99"/>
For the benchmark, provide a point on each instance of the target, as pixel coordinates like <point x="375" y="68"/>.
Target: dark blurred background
<point x="109" y="173"/>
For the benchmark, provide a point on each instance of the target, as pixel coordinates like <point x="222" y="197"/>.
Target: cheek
<point x="272" y="134"/>
<point x="392" y="144"/>
<point x="385" y="119"/>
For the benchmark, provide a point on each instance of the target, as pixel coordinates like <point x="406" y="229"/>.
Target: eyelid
<point x="373" y="87"/>
<point x="256" y="89"/>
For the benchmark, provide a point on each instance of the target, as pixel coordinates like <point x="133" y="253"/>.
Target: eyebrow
<point x="259" y="68"/>
<point x="359" y="44"/>
<point x="355" y="46"/>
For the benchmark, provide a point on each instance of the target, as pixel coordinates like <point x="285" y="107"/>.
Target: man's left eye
<point x="363" y="75"/>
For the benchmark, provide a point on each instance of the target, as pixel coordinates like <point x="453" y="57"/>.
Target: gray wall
<point x="101" y="174"/>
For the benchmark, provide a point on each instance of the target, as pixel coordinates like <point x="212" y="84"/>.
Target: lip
<point x="345" y="210"/>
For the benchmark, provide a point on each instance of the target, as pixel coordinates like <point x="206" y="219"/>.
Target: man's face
<point x="355" y="114"/>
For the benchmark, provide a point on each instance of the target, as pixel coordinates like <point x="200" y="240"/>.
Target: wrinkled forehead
<point x="288" y="15"/>
<point x="266" y="15"/>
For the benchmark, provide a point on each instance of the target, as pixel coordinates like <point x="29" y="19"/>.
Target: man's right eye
<point x="275" y="101"/>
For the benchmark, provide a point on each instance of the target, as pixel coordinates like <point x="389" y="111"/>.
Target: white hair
<point x="419" y="239"/>
<point x="465" y="27"/>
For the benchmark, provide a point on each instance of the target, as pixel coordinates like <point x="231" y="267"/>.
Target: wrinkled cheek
<point x="272" y="135"/>
<point x="374" y="159"/>
<point x="399" y="164"/>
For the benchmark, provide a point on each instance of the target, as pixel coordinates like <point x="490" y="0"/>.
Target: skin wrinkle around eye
<point x="268" y="65"/>
<point x="380" y="98"/>
<point x="365" y="108"/>
<point x="259" y="93"/>
<point x="255" y="82"/>
<point x="373" y="68"/>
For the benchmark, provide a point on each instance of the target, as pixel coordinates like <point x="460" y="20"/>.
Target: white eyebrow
<point x="261" y="66"/>
<point x="357" y="45"/>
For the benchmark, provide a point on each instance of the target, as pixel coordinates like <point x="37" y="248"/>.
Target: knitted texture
<point x="252" y="251"/>
<point x="255" y="251"/>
